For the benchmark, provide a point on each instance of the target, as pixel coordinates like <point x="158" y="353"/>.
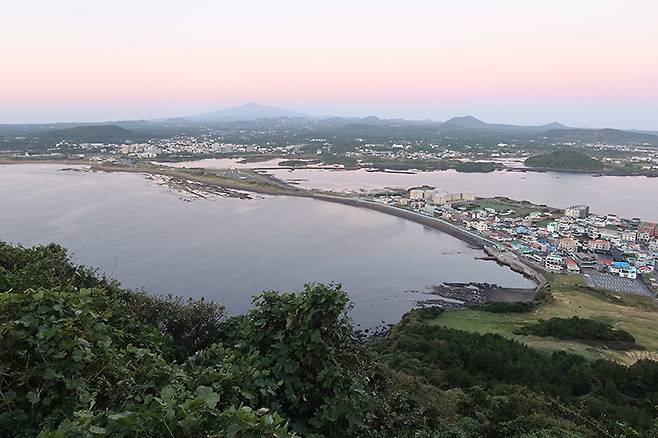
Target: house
<point x="481" y="226"/>
<point x="429" y="210"/>
<point x="643" y="236"/>
<point x="629" y="236"/>
<point x="554" y="262"/>
<point x="623" y="269"/>
<point x="650" y="228"/>
<point x="611" y="235"/>
<point x="567" y="244"/>
<point x="571" y="264"/>
<point x="587" y="261"/>
<point x="605" y="260"/>
<point x="645" y="269"/>
<point x="598" y="245"/>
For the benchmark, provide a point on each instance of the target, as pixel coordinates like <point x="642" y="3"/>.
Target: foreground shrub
<point x="65" y="350"/>
<point x="43" y="266"/>
<point x="99" y="361"/>
<point x="192" y="324"/>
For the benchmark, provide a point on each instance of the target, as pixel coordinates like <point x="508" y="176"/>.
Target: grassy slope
<point x="638" y="316"/>
<point x="521" y="208"/>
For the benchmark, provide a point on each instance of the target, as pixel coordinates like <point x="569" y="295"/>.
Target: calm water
<point x="624" y="196"/>
<point x="229" y="249"/>
<point x="621" y="195"/>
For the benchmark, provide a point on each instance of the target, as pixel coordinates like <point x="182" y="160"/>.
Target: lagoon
<point x="228" y="249"/>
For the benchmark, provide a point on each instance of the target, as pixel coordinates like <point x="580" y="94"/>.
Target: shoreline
<point x="594" y="173"/>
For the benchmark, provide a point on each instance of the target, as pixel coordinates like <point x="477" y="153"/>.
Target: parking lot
<point x="600" y="280"/>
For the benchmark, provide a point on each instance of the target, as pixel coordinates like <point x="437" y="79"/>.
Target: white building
<point x="629" y="236"/>
<point x="441" y="197"/>
<point x="481" y="226"/>
<point x="624" y="270"/>
<point x="567" y="244"/>
<point x="554" y="262"/>
<point x="419" y="193"/>
<point x="577" y="211"/>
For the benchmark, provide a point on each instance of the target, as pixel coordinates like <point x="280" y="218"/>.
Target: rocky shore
<point x="451" y="296"/>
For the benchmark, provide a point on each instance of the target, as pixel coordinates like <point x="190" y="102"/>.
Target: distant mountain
<point x="466" y="122"/>
<point x="95" y="133"/>
<point x="606" y="135"/>
<point x="554" y="125"/>
<point x="470" y="123"/>
<point x="247" y="112"/>
<point x="466" y="126"/>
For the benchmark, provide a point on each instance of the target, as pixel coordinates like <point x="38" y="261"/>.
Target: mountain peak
<point x="554" y="125"/>
<point x="466" y="122"/>
<point x="246" y="112"/>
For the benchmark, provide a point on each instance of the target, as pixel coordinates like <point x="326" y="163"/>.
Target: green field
<point x="501" y="205"/>
<point x="636" y="315"/>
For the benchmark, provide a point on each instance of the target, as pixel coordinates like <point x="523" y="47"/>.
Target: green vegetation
<point x="429" y="165"/>
<point x="297" y="163"/>
<point x="505" y="307"/>
<point x="503" y="205"/>
<point x="564" y="159"/>
<point x="96" y="134"/>
<point x="565" y="296"/>
<point x="580" y="329"/>
<point x="254" y="158"/>
<point x="347" y="162"/>
<point x="81" y="357"/>
<point x="517" y="391"/>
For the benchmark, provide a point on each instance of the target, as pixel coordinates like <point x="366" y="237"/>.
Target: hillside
<point x="80" y="356"/>
<point x="95" y="134"/>
<point x="607" y="135"/>
<point x="564" y="159"/>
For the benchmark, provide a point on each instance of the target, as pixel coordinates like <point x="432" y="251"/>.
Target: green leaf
<point x="120" y="415"/>
<point x="232" y="430"/>
<point x="168" y="393"/>
<point x="208" y="395"/>
<point x="97" y="430"/>
<point x="32" y="397"/>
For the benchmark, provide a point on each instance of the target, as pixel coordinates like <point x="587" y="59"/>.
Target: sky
<point x="587" y="63"/>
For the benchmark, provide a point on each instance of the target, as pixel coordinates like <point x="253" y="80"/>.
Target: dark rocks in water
<point x="458" y="295"/>
<point x="381" y="330"/>
<point x="480" y="286"/>
<point x="442" y="304"/>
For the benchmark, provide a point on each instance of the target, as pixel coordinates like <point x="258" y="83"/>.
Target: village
<point x="613" y="253"/>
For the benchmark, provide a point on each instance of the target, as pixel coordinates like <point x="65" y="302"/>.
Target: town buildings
<point x="561" y="242"/>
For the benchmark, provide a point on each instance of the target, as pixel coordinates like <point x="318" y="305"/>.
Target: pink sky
<point x="586" y="63"/>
